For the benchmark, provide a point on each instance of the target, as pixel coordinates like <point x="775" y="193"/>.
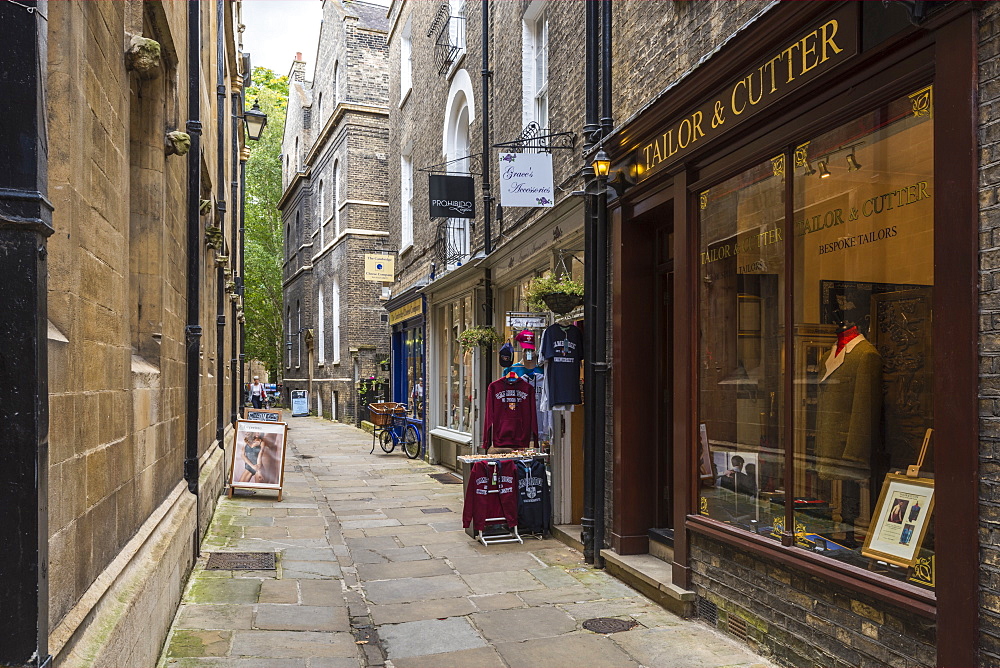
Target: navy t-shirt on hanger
<point x="562" y="350"/>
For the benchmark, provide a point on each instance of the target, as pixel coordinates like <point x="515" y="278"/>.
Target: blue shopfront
<point x="408" y="363"/>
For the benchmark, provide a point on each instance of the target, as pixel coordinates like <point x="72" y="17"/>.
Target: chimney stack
<point x="298" y="72"/>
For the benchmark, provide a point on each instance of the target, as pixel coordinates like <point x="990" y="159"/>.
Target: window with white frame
<point x="406" y="201"/>
<point x="288" y="332"/>
<point x="406" y="59"/>
<point x="322" y="217"/>
<point x="321" y="326"/>
<point x="335" y="312"/>
<point x="336" y="83"/>
<point x="535" y="65"/>
<point x="335" y="198"/>
<point x="455" y="370"/>
<point x="456" y="26"/>
<point x="298" y="334"/>
<point x="458" y="147"/>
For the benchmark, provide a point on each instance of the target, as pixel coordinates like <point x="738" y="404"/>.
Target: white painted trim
<point x="363" y="202"/>
<point x="461" y="83"/>
<point x="452" y="435"/>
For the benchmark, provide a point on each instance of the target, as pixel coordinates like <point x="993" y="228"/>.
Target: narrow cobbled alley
<point x="373" y="568"/>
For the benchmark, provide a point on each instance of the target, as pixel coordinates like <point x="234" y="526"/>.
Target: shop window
<point x="455" y="375"/>
<point x="862" y="235"/>
<point x="413" y="342"/>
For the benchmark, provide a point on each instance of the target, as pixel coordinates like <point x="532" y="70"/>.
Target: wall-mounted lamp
<point x="602" y="164"/>
<point x="809" y="171"/>
<point x="852" y="162"/>
<point x="823" y="171"/>
<point x="254" y="121"/>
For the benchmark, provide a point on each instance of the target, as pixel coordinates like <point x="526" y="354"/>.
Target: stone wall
<point x="117" y="309"/>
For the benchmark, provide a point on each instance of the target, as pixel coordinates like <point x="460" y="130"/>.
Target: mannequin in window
<point x="848" y="414"/>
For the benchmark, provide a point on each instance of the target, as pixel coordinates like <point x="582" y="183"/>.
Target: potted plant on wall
<point x="479" y="336"/>
<point x="559" y="294"/>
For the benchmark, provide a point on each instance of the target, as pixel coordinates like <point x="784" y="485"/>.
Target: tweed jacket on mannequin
<point x="848" y="410"/>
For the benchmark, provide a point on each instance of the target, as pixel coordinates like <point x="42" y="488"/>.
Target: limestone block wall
<point x="117" y="309"/>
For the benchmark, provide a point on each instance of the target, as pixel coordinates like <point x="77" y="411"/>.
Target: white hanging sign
<point x="526" y="179"/>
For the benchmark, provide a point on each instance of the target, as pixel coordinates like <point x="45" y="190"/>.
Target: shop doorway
<point x="664" y="391"/>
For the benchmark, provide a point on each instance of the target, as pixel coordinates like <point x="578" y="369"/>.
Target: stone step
<point x="651" y="576"/>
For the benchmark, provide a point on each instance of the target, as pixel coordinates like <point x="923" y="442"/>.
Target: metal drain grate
<point x="446" y="478"/>
<point x="609" y="624"/>
<point x="240" y="561"/>
<point x="708" y="611"/>
<point x="737" y="627"/>
<point x="431" y="511"/>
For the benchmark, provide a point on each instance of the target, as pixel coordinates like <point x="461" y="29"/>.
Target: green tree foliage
<point x="263" y="244"/>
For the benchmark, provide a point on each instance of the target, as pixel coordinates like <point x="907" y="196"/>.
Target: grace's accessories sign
<point x="452" y="196"/>
<point x="813" y="53"/>
<point x="526" y="179"/>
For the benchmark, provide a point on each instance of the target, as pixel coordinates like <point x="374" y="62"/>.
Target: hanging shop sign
<point x="517" y="320"/>
<point x="380" y="267"/>
<point x="407" y="311"/>
<point x="452" y="196"/>
<point x="813" y="53"/>
<point x="526" y="179"/>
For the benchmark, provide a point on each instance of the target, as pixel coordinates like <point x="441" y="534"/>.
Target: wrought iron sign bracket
<point x="475" y="166"/>
<point x="532" y="141"/>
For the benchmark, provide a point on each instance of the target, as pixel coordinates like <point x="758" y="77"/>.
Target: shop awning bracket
<point x="533" y="139"/>
<point x="475" y="166"/>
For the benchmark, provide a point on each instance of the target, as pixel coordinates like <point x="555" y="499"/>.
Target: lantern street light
<point x="254" y="120"/>
<point x="602" y="164"/>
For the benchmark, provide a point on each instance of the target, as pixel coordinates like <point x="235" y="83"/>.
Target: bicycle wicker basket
<point x="381" y="414"/>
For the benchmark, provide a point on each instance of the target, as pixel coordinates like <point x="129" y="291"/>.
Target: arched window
<point x="298" y="161"/>
<point x="459" y="115"/>
<point x="335" y="308"/>
<point x="288" y="334"/>
<point x="298" y="333"/>
<point x="321" y="328"/>
<point x="336" y="83"/>
<point x="319" y="111"/>
<point x="335" y="198"/>
<point x="322" y="217"/>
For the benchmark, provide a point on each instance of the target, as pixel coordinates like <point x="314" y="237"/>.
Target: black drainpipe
<point x="591" y="132"/>
<point x="600" y="261"/>
<point x="235" y="247"/>
<point x="25" y="224"/>
<point x="220" y="271"/>
<point x="487" y="185"/>
<point x="193" y="329"/>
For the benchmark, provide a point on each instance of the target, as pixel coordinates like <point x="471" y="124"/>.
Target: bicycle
<point x="391" y="428"/>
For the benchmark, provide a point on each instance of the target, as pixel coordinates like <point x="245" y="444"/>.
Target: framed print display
<point x="901" y="519"/>
<point x="262" y="414"/>
<point x="259" y="456"/>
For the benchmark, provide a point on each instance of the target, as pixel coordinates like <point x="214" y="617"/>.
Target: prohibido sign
<point x="452" y="196"/>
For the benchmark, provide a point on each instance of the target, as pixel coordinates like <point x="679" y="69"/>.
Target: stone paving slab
<point x="357" y="554"/>
<point x="429" y="637"/>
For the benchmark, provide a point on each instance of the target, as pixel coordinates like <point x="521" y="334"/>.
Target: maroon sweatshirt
<point x="491" y="493"/>
<point x="511" y="420"/>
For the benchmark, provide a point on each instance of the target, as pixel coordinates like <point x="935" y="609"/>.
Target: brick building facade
<point x="335" y="211"/>
<point x="130" y="438"/>
<point x="804" y="595"/>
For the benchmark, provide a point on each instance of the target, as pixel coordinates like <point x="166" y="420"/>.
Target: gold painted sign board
<point x="813" y="53"/>
<point x="411" y="310"/>
<point x="380" y="267"/>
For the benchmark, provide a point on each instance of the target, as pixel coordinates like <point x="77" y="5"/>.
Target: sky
<point x="277" y="29"/>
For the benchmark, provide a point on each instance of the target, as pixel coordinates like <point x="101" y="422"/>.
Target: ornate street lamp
<point x="254" y="120"/>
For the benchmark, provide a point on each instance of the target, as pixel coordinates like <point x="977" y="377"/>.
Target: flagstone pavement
<point x="373" y="568"/>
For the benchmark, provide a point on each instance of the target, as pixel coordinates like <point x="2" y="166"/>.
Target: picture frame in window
<point x="901" y="519"/>
<point x="258" y="456"/>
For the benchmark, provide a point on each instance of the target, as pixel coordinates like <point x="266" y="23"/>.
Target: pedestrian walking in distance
<point x="257" y="392"/>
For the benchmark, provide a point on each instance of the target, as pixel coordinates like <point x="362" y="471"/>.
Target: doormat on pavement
<point x="240" y="561"/>
<point x="609" y="624"/>
<point x="447" y="478"/>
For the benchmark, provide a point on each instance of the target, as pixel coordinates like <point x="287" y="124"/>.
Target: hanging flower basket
<point x="561" y="302"/>
<point x="557" y="294"/>
<point x="479" y="336"/>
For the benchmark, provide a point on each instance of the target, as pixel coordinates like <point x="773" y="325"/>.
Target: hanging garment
<point x="536" y="378"/>
<point x="490" y="493"/>
<point x="534" y="510"/>
<point x="848" y="410"/>
<point x="510" y="420"/>
<point x="562" y="350"/>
